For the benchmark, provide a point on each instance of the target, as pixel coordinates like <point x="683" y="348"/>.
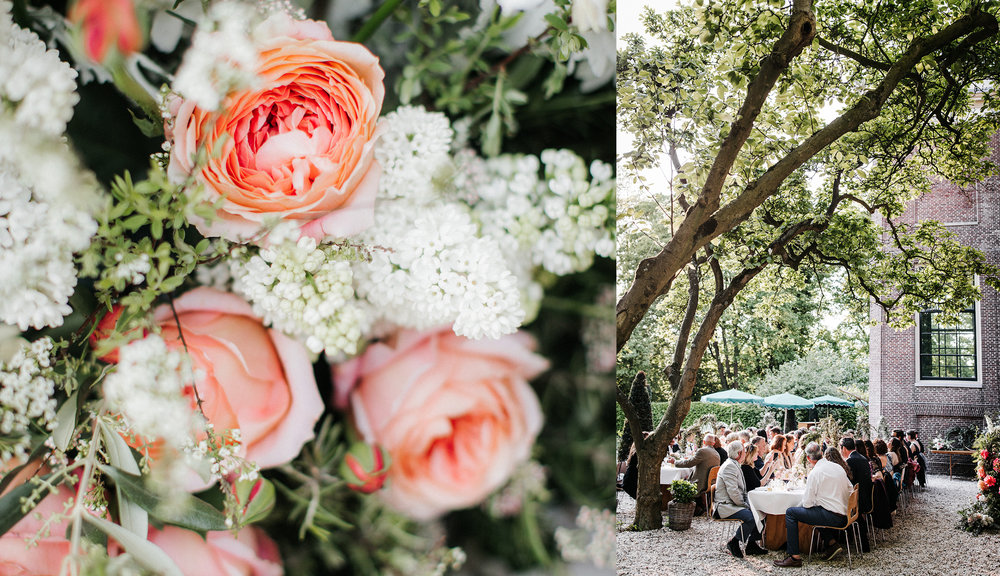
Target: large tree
<point x="735" y="98"/>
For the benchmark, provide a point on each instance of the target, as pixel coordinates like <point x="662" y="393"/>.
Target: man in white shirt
<point x="824" y="503"/>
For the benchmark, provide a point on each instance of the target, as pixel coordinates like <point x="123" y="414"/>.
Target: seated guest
<point x="745" y="437"/>
<point x="824" y="502"/>
<point x="772" y="432"/>
<point x="720" y="450"/>
<point x="861" y="474"/>
<point x="760" y="443"/>
<point x="732" y="437"/>
<point x="777" y="453"/>
<point x="789" y="448"/>
<point x="731" y="502"/>
<point x="752" y="477"/>
<point x="900" y="459"/>
<point x="703" y="460"/>
<point x="917" y="448"/>
<point x="630" y="482"/>
<point x="762" y="433"/>
<point x="675" y="444"/>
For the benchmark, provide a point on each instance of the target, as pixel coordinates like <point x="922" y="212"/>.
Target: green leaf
<point x="147" y="554"/>
<point x="556" y="22"/>
<point x="10" y="506"/>
<point x="193" y="514"/>
<point x="65" y="423"/>
<point x="132" y="516"/>
<point x="148" y="128"/>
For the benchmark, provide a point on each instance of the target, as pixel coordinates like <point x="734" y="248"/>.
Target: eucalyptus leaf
<point x="65" y="423"/>
<point x="192" y="513"/>
<point x="10" y="506"/>
<point x="147" y="554"/>
<point x="133" y="517"/>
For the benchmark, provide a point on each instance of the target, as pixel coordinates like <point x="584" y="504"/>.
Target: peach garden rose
<point x="254" y="379"/>
<point x="249" y="553"/>
<point x="455" y="415"/>
<point x="298" y="146"/>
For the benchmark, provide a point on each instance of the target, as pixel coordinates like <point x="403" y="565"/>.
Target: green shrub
<point x="683" y="491"/>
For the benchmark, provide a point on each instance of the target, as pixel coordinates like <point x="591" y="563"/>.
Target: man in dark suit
<point x="861" y="474"/>
<point x="703" y="460"/>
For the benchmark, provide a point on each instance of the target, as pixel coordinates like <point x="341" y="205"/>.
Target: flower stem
<point x="373" y="23"/>
<point x="529" y="520"/>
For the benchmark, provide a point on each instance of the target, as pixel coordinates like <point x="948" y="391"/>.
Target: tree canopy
<point x="794" y="136"/>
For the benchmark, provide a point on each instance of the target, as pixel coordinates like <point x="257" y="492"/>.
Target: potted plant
<point x="680" y="510"/>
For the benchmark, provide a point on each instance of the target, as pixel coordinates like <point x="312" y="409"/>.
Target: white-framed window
<point x="948" y="354"/>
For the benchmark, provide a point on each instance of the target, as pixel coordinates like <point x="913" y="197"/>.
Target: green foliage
<point x="819" y="372"/>
<point x="467" y="68"/>
<point x="683" y="491"/>
<point x="144" y="247"/>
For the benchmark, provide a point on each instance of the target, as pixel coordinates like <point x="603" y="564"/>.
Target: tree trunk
<point x="647" y="506"/>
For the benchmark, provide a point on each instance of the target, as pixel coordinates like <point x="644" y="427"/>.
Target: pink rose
<point x="299" y="147"/>
<point x="16" y="558"/>
<point x="990" y="481"/>
<point x="255" y="379"/>
<point x="996" y="464"/>
<point x="250" y="553"/>
<point x="985" y="454"/>
<point x="456" y="415"/>
<point x="107" y="24"/>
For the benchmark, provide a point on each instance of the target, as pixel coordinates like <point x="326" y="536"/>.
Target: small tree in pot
<point x="680" y="510"/>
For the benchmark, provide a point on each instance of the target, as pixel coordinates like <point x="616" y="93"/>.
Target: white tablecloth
<point x="668" y="474"/>
<point x="776" y="501"/>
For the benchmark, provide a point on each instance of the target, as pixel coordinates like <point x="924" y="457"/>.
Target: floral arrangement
<point x="980" y="516"/>
<point x="297" y="292"/>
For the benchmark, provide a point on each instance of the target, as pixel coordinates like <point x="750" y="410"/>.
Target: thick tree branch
<point x="859" y="58"/>
<point x="694" y="290"/>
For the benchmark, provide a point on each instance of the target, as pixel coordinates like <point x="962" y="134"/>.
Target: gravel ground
<point x="923" y="541"/>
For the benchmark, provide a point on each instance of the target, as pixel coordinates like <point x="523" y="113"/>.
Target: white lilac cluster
<point x="147" y="389"/>
<point x="46" y="202"/>
<point x="26" y="402"/>
<point x="598" y="334"/>
<point x="132" y="267"/>
<point x="223" y="455"/>
<point x="35" y="85"/>
<point x="305" y="290"/>
<point x="412" y="150"/>
<point x="222" y="57"/>
<point x="434" y="269"/>
<point x="557" y="220"/>
<point x="592" y="541"/>
<point x="527" y="483"/>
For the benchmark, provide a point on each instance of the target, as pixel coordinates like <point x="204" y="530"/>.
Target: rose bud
<point x="107" y="24"/>
<point x="106" y="329"/>
<point x="365" y="467"/>
<point x="256" y="498"/>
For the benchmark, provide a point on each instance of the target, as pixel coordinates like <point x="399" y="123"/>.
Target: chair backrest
<point x="852" y="506"/>
<point x="713" y="475"/>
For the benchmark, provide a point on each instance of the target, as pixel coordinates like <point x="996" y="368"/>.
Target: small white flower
<point x="26" y="402"/>
<point x="147" y="389"/>
<point x="590" y="15"/>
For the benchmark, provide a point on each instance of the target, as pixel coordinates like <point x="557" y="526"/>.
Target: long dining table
<point x="768" y="504"/>
<point x="669" y="473"/>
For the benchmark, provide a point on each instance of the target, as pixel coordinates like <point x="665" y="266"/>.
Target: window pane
<point x="947" y="351"/>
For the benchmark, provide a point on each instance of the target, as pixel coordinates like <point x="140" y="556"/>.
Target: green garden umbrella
<point x="732" y="396"/>
<point x="787" y="401"/>
<point x="827" y="401"/>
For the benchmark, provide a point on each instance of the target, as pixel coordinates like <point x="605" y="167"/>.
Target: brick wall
<point x="974" y="216"/>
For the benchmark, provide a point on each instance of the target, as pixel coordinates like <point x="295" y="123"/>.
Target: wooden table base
<point x="775" y="536"/>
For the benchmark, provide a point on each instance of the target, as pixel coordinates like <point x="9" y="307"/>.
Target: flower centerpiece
<point x="982" y="513"/>
<point x="295" y="289"/>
